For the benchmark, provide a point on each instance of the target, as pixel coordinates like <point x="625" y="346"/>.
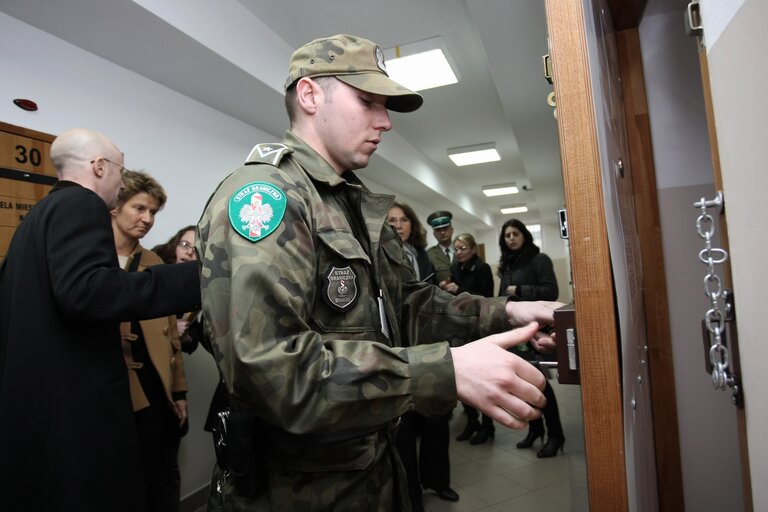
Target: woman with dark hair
<point x="181" y="247"/>
<point x="469" y="273"/>
<point x="431" y="468"/>
<point x="527" y="274"/>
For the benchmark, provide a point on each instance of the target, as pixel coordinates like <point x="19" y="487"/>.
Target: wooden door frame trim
<point x="596" y="322"/>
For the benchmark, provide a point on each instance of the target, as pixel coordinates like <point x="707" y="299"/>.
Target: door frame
<point x="596" y="319"/>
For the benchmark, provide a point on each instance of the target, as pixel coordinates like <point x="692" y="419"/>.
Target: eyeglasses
<point x="462" y="249"/>
<point x="186" y="244"/>
<point x="122" y="169"/>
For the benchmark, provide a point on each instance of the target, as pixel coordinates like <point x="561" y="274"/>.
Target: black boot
<point x="551" y="447"/>
<point x="533" y="434"/>
<point x="487" y="431"/>
<point x="472" y="426"/>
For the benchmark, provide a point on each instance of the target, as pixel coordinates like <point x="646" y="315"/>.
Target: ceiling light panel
<point x="471" y="155"/>
<point x="421" y="65"/>
<point x="509" y="210"/>
<point x="500" y="190"/>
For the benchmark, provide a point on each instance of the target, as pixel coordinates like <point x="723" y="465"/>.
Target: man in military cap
<point x="441" y="255"/>
<point x="320" y="329"/>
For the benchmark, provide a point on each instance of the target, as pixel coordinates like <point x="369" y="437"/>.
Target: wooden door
<point x="26" y="176"/>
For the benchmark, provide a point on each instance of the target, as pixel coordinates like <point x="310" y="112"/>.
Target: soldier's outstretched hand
<point x="499" y="383"/>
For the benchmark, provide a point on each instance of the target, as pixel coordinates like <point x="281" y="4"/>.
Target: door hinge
<point x="693" y="25"/>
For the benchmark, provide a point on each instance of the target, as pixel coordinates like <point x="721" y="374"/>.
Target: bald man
<point x="67" y="434"/>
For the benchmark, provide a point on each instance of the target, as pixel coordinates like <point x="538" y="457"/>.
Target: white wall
<point x="187" y="146"/>
<point x="736" y="49"/>
<point x="706" y="418"/>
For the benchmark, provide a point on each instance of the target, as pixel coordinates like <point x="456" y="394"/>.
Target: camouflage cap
<point x="355" y="61"/>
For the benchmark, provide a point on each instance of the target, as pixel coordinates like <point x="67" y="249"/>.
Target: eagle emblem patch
<point x="256" y="210"/>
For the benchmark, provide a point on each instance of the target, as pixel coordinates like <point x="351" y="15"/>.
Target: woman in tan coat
<point x="152" y="350"/>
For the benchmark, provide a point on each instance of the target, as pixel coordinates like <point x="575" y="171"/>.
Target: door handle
<point x="567" y="349"/>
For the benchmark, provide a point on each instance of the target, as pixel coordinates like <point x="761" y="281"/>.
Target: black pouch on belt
<point x="240" y="442"/>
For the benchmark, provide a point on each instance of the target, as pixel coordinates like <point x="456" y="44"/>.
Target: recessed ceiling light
<point x="509" y="210"/>
<point x="421" y="65"/>
<point x="477" y="154"/>
<point x="500" y="190"/>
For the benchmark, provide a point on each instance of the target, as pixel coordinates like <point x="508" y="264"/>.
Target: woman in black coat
<point x="469" y="273"/>
<point x="526" y="274"/>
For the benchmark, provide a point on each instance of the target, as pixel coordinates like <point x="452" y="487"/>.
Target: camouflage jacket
<point x="319" y="327"/>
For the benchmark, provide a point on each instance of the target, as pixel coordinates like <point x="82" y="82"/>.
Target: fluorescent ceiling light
<point x="422" y="71"/>
<point x="500" y="190"/>
<point x="509" y="210"/>
<point x="477" y="154"/>
<point x="421" y="65"/>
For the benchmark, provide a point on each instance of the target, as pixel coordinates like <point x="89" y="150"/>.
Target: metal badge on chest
<point x="340" y="288"/>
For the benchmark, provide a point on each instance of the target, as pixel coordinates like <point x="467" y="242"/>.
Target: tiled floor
<point x="499" y="477"/>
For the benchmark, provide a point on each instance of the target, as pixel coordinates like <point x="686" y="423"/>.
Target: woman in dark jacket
<point x="527" y="274"/>
<point x="469" y="273"/>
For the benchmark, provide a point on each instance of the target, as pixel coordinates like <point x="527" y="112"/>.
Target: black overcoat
<point x="67" y="435"/>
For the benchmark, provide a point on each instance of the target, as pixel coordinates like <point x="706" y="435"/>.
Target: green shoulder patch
<point x="256" y="210"/>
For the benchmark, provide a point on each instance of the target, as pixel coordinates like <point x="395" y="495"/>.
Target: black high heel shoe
<point x="530" y="439"/>
<point x="472" y="427"/>
<point x="551" y="447"/>
<point x="486" y="432"/>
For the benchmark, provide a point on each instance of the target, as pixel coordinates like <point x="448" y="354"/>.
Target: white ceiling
<point x="232" y="55"/>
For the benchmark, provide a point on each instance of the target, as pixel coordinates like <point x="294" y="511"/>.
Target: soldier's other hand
<point x="543" y="342"/>
<point x="497" y="382"/>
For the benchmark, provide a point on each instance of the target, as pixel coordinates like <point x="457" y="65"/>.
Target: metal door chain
<point x="715" y="317"/>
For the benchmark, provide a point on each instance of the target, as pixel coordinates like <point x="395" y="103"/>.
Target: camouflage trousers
<point x="356" y="475"/>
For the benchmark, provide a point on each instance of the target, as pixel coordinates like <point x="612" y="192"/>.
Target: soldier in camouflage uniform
<point x="319" y="327"/>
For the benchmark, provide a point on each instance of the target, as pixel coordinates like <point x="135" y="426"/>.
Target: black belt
<point x="283" y="439"/>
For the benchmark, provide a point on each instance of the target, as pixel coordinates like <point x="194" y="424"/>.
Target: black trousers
<point x="159" y="437"/>
<point x="473" y="415"/>
<point x="431" y="467"/>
